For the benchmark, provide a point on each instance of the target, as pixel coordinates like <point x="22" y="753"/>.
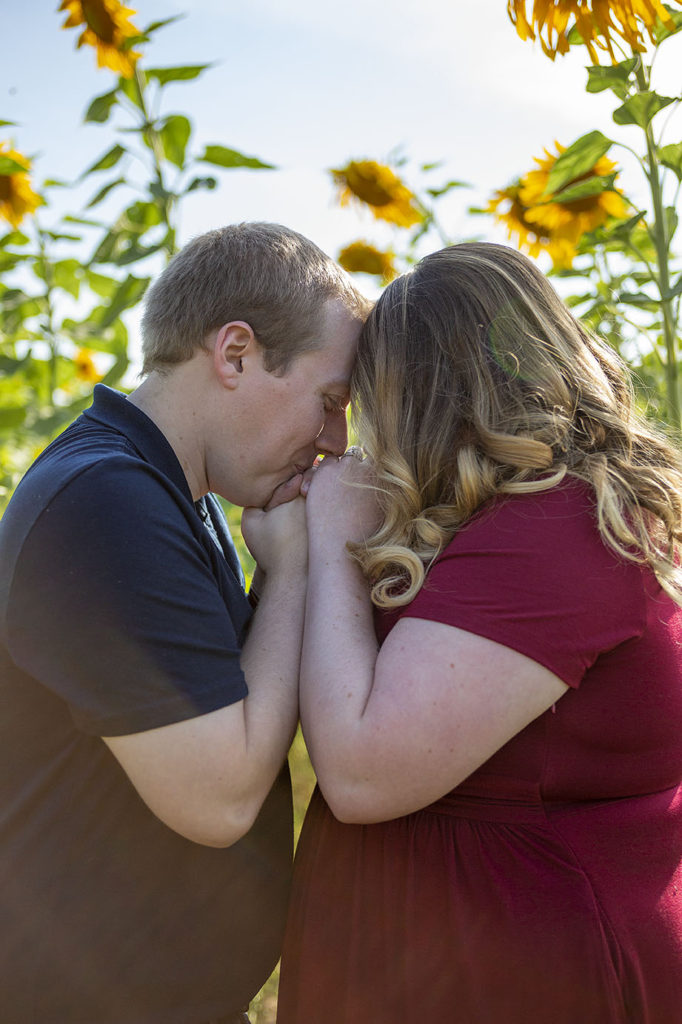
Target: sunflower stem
<point x="662" y="279"/>
<point x="153" y="140"/>
<point x="48" y="277"/>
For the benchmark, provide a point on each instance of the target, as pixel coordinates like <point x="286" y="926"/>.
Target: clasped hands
<point x="334" y="500"/>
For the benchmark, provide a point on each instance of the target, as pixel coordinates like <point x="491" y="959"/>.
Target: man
<point x="145" y="821"/>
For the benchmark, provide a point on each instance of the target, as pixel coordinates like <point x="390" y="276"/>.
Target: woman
<point x="497" y="835"/>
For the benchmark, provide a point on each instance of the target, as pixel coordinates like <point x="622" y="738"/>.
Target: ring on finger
<point x="354" y="451"/>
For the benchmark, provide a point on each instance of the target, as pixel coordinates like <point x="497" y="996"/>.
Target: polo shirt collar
<point x="113" y="409"/>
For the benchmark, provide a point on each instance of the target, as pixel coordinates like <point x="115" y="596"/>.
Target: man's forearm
<point x="271" y="662"/>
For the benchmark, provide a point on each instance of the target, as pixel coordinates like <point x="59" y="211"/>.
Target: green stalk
<point x="48" y="278"/>
<point x="156" y="149"/>
<point x="661" y="243"/>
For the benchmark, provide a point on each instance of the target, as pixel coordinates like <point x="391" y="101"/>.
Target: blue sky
<point x="306" y="85"/>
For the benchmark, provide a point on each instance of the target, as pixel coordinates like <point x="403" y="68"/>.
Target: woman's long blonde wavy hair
<point x="474" y="380"/>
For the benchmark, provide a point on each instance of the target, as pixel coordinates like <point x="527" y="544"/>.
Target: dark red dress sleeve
<point x="532" y="572"/>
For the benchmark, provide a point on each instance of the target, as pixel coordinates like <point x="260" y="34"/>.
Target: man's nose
<point x="333" y="438"/>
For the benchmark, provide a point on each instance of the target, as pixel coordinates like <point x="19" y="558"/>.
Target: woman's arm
<point x="391" y="730"/>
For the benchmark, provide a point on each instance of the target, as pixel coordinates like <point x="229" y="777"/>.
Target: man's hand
<point x="277" y="536"/>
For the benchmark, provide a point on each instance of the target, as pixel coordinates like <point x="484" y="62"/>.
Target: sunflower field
<point x="572" y="204"/>
<point x="67" y="290"/>
<point x="618" y="260"/>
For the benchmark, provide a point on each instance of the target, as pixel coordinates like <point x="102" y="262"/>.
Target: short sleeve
<point x="531" y="572"/>
<point x="117" y="605"/>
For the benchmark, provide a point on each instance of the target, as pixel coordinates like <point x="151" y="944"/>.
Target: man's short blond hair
<point x="267" y="275"/>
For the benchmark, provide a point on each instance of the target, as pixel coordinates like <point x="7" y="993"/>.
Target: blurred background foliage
<point x="67" y="285"/>
<point x="572" y="205"/>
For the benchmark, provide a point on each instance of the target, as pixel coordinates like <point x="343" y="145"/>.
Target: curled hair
<point x="474" y="380"/>
<point x="272" y="278"/>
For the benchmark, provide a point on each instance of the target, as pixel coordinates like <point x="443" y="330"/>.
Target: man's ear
<point x="234" y="341"/>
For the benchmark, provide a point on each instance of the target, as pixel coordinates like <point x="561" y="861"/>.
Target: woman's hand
<point x="342" y="500"/>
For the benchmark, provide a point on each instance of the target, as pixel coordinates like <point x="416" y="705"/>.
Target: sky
<point x="307" y="85"/>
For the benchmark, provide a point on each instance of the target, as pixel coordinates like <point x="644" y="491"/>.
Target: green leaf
<point x="8" y="261"/>
<point x="661" y="32"/>
<point x="671" y="156"/>
<point x="80" y="331"/>
<point x="671" y="222"/>
<point x="104" y="192"/>
<point x="67" y="275"/>
<point x="135" y="252"/>
<point x="10" y="366"/>
<point x="639" y="299"/>
<point x="159" y="191"/>
<point x="15" y="317"/>
<point x="101" y="107"/>
<point x="208" y="183"/>
<point x="3" y="123"/>
<point x="117" y="337"/>
<point x="223" y="157"/>
<point x="641" y="108"/>
<point x="578" y="159"/>
<point x="132" y="41"/>
<point x="614" y="233"/>
<point x="675" y="290"/>
<point x="110" y="159"/>
<point x="113" y="375"/>
<point x="175" y="133"/>
<point x="101" y="284"/>
<point x="584" y="189"/>
<point x="12" y="416"/>
<point x="59" y="236"/>
<point x="112" y="242"/>
<point x="11" y="296"/>
<point x="10" y="166"/>
<point x="185" y="74"/>
<point x="55" y="183"/>
<point x="156" y="25"/>
<point x="83" y="220"/>
<point x="130" y="88"/>
<point x="128" y="293"/>
<point x="120" y="244"/>
<point x="444" y="189"/>
<point x="612" y="76"/>
<point x="140" y="217"/>
<point x="14" y="238"/>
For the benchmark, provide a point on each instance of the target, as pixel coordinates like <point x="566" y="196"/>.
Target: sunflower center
<point x="5" y="187"/>
<point x="367" y="186"/>
<point x="585" y="205"/>
<point x="98" y="19"/>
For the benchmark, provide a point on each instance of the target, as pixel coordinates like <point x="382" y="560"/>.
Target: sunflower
<point x="363" y="258"/>
<point x="107" y="27"/>
<point x="598" y="23"/>
<point x="17" y="198"/>
<point x="379" y="188"/>
<point x="508" y="209"/>
<point x="85" y="366"/>
<point x="569" y="219"/>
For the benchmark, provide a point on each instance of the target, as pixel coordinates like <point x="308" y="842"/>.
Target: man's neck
<point x="169" y="400"/>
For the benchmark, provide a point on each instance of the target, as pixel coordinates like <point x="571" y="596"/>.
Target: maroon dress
<point x="546" y="888"/>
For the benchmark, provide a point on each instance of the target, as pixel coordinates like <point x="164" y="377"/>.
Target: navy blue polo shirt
<point x="122" y="609"/>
